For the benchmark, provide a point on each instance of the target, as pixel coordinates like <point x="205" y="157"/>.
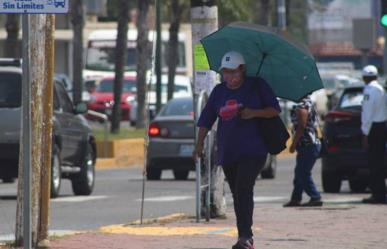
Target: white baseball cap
<point x="369" y="71"/>
<point x="232" y="60"/>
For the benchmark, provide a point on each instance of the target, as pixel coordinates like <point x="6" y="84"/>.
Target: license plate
<point x="186" y="150"/>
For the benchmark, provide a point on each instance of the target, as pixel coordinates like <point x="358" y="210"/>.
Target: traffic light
<point x="383" y="13"/>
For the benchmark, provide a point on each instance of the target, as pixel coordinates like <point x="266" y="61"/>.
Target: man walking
<point x="373" y="126"/>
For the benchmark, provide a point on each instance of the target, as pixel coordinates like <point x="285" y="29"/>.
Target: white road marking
<point x="262" y="199"/>
<point x="168" y="198"/>
<point x="79" y="198"/>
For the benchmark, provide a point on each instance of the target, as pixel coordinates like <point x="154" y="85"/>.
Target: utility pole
<point x="31" y="153"/>
<point x="204" y="19"/>
<point x="48" y="91"/>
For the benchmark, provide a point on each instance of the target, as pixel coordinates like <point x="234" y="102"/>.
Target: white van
<point x="100" y="53"/>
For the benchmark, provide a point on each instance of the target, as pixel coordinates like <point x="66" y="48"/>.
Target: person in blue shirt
<point x="239" y="108"/>
<point x="307" y="144"/>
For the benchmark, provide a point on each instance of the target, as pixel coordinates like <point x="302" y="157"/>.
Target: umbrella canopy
<point x="287" y="66"/>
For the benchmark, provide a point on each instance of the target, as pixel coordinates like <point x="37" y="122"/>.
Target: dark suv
<point x="74" y="149"/>
<point x="346" y="159"/>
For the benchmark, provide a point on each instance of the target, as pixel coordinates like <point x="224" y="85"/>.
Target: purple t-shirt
<point x="236" y="137"/>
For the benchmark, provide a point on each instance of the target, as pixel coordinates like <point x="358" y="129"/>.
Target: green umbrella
<point x="286" y="65"/>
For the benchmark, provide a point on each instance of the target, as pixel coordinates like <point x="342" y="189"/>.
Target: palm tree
<point x="142" y="59"/>
<point x="120" y="59"/>
<point x="177" y="8"/>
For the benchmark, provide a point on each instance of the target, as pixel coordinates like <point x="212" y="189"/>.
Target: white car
<point x="182" y="89"/>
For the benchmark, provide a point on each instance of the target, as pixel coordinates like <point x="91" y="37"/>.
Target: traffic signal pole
<point x="383" y="22"/>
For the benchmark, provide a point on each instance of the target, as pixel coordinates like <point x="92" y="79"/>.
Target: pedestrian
<point x="307" y="144"/>
<point x="238" y="107"/>
<point x="373" y="127"/>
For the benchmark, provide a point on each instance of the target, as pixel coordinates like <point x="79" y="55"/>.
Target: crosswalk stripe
<point x="168" y="198"/>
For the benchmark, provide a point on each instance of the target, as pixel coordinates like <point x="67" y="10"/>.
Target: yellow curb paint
<point x="161" y="220"/>
<point x="169" y="231"/>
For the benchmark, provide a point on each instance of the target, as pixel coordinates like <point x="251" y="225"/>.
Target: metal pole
<point x="208" y="197"/>
<point x="385" y="52"/>
<point x="198" y="189"/>
<point x="105" y="138"/>
<point x="281" y="12"/>
<point x="26" y="129"/>
<point x="158" y="55"/>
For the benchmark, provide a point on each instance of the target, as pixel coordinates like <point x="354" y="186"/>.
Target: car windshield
<point x="106" y="86"/>
<point x="351" y="99"/>
<point x="178" y="107"/>
<point x="10" y="90"/>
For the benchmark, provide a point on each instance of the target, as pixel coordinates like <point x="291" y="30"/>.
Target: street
<point x="117" y="196"/>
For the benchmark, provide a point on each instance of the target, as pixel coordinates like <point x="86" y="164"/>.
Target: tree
<point x="78" y="22"/>
<point x="177" y="8"/>
<point x="234" y="10"/>
<point x="37" y="38"/>
<point x="120" y="63"/>
<point x="12" y="45"/>
<point x="142" y="59"/>
<point x="264" y="8"/>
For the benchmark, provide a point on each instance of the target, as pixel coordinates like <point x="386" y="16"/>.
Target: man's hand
<point x="247" y="113"/>
<point x="198" y="151"/>
<point x="365" y="142"/>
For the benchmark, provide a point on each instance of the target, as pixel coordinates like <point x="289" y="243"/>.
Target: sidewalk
<point x="334" y="226"/>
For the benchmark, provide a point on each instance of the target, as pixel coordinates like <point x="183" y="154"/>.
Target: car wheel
<point x="83" y="183"/>
<point x="358" y="185"/>
<point x="153" y="174"/>
<point x="56" y="172"/>
<point x="271" y="169"/>
<point x="331" y="181"/>
<point x="181" y="174"/>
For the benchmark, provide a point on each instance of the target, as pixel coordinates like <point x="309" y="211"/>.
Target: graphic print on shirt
<point x="230" y="110"/>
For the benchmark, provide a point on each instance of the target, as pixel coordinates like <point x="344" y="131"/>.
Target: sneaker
<point x="244" y="244"/>
<point x="373" y="200"/>
<point x="292" y="203"/>
<point x="313" y="203"/>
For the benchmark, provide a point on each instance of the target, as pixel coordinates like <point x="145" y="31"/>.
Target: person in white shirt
<point x="373" y="126"/>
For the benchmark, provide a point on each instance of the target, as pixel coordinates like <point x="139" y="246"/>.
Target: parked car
<point x="171" y="142"/>
<point x="346" y="159"/>
<point x="182" y="89"/>
<point x="73" y="144"/>
<point x="102" y="99"/>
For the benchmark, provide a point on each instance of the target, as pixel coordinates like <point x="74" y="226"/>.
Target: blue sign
<point x="34" y="6"/>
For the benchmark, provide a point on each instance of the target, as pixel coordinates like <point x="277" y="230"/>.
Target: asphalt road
<point x="117" y="198"/>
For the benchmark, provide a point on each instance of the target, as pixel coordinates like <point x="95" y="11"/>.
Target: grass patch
<point x="125" y="133"/>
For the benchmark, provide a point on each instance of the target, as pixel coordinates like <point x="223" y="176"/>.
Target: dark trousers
<point x="376" y="151"/>
<point x="303" y="181"/>
<point x="241" y="178"/>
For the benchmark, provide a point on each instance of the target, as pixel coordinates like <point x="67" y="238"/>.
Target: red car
<point x="101" y="100"/>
